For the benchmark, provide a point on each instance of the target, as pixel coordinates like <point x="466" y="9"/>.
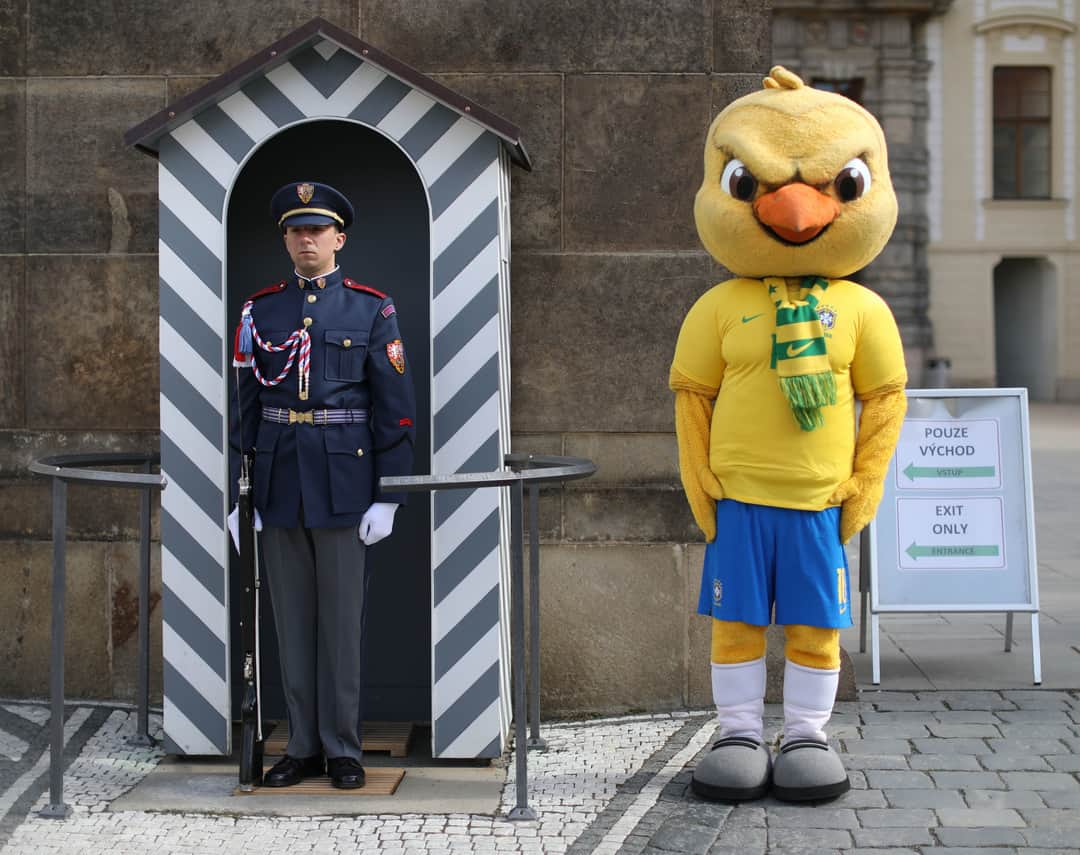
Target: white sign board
<point x="955" y="530"/>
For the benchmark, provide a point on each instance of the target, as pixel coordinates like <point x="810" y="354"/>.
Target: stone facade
<point x="613" y="110"/>
<point x="880" y="44"/>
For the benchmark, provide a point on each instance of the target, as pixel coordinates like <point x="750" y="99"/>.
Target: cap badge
<point x="305" y="192"/>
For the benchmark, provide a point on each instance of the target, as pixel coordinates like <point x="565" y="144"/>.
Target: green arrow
<point x="914" y="471"/>
<point x="957" y="551"/>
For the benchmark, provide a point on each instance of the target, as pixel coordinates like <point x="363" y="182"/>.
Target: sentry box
<point x="428" y="173"/>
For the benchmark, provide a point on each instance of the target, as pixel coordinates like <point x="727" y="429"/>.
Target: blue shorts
<point x="764" y="555"/>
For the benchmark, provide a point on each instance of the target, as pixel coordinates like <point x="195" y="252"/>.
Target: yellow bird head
<point x="796" y="183"/>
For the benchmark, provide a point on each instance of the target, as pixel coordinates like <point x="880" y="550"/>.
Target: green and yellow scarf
<point x="798" y="351"/>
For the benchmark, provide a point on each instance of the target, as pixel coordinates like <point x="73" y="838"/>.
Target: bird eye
<point x="737" y="181"/>
<point x="853" y="180"/>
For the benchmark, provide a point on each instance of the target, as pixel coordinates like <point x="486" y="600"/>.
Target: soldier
<point x="328" y="408"/>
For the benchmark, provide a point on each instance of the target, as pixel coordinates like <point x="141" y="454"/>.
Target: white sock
<point x="809" y="695"/>
<point x="739" y="695"/>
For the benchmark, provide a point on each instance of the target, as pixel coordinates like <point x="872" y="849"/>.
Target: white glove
<point x="378" y="522"/>
<point x="234" y="525"/>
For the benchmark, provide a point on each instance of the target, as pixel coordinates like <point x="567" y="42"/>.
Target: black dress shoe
<point x="292" y="770"/>
<point x="345" y="773"/>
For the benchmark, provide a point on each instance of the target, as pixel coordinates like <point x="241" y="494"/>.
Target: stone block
<point x="94" y="512"/>
<point x="25" y="614"/>
<point x="19" y="448"/>
<point x="699" y="669"/>
<point x="177" y="87"/>
<point x="132" y="37"/>
<point x="593" y="339"/>
<point x="86" y="190"/>
<point x="13" y="163"/>
<point x="12" y="38"/>
<point x="533" y="102"/>
<point x="102" y="373"/>
<point x="124" y="625"/>
<point x="808" y="840"/>
<point x="880" y="839"/>
<point x="614" y="629"/>
<point x="12" y="323"/>
<point x="900" y="780"/>
<point x="980" y="817"/>
<point x="517" y="35"/>
<point x="979" y="837"/>
<point x="725" y="88"/>
<point x="742" y="35"/>
<point x="628" y="458"/>
<point x="619" y="130"/>
<point x="646" y="513"/>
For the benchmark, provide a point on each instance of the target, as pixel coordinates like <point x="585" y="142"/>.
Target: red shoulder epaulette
<point x="272" y="289"/>
<point x="356" y="286"/>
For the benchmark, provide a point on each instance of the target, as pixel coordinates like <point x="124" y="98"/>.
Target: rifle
<point x="251" y="736"/>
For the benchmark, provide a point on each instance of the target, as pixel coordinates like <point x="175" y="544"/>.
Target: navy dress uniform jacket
<point x="333" y="470"/>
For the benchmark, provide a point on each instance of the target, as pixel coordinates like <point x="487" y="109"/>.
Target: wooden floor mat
<point x="381" y="781"/>
<point x="392" y="736"/>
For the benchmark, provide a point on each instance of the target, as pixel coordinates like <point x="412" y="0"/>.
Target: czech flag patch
<point x="395" y="352"/>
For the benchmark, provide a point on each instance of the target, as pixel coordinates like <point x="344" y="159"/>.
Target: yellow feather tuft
<point x="780" y="78"/>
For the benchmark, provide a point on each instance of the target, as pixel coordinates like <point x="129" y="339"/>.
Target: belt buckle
<point x="307" y="417"/>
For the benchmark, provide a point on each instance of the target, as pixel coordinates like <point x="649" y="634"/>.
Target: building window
<point x="850" y="87"/>
<point x="1021" y="133"/>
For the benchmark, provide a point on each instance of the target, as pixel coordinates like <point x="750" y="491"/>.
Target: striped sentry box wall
<point x="320" y="72"/>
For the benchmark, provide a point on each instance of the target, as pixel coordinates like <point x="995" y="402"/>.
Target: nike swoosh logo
<point x="747" y="320"/>
<point x="792" y="350"/>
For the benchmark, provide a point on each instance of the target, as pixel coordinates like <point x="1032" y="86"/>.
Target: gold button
<point x="311" y="298"/>
<point x="347" y="342"/>
<point x="308" y="322"/>
<point x="359" y="452"/>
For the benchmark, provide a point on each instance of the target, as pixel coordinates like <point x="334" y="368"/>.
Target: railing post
<point x="56" y="809"/>
<point x="142" y="737"/>
<point x="521" y="810"/>
<point x="535" y="740"/>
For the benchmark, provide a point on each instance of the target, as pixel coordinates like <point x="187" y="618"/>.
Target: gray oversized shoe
<point x="807" y="770"/>
<point x="735" y="770"/>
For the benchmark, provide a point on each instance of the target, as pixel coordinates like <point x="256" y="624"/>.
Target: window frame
<point x="1018" y="122"/>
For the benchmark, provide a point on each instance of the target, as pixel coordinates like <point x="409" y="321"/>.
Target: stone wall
<point x="613" y="100"/>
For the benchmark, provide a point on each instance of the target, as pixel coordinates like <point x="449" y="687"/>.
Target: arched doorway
<point x="1025" y="326"/>
<point x="388" y="247"/>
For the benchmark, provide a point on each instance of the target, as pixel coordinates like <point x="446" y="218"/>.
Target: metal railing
<point x="534" y="469"/>
<point x="81" y="468"/>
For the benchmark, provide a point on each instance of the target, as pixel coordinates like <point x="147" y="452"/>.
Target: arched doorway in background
<point x="1025" y="326"/>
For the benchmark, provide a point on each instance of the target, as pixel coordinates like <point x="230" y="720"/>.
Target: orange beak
<point x="797" y="212"/>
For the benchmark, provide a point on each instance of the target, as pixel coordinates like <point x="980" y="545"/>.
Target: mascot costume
<point x="767" y="370"/>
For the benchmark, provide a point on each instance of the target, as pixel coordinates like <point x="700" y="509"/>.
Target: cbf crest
<point x="827" y="316"/>
<point x="717" y="592"/>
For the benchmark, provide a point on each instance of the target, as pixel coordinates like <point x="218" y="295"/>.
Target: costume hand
<point x="234" y="525"/>
<point x="858" y="497"/>
<point x="377" y="522"/>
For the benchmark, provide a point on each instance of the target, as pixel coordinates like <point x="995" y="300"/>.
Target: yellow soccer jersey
<point x="757" y="450"/>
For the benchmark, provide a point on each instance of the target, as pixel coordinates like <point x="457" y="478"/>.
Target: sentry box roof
<point x="145" y="136"/>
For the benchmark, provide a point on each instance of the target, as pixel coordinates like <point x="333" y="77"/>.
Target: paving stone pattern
<point x="938" y="772"/>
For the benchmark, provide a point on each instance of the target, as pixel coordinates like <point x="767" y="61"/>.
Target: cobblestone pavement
<point x="932" y="772"/>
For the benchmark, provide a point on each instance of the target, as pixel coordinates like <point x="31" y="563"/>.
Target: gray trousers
<point x="318" y="584"/>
